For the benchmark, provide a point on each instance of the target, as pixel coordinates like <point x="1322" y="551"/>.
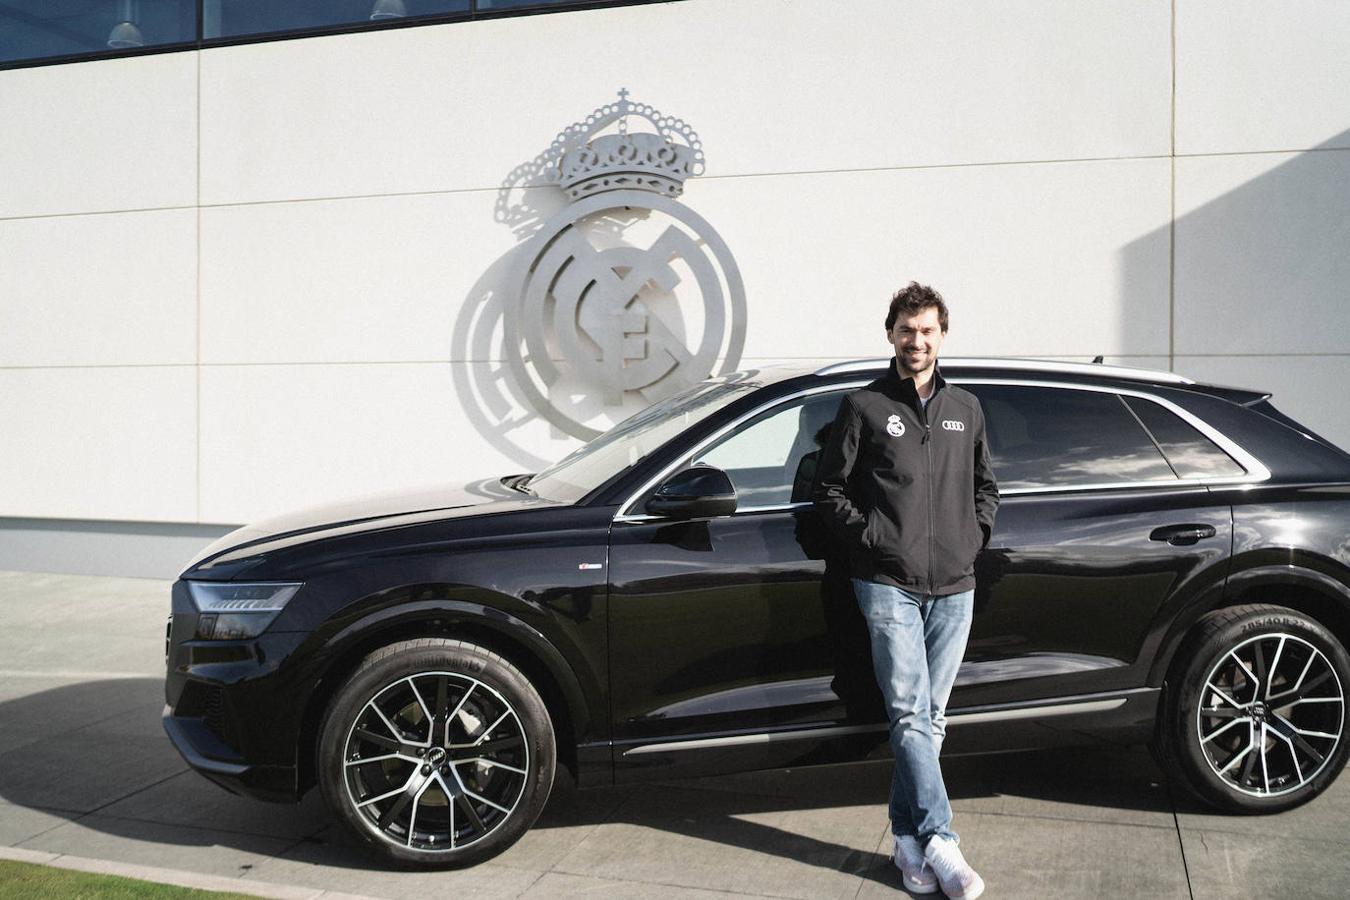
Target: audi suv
<point x="1170" y="565"/>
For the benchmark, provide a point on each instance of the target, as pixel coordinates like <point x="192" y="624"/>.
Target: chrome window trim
<point x="1129" y="373"/>
<point x="623" y="514"/>
<point x="1256" y="471"/>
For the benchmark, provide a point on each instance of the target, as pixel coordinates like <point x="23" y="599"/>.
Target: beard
<point x="914" y="367"/>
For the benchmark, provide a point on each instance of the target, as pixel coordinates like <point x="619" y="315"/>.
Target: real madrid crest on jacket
<point x="923" y="490"/>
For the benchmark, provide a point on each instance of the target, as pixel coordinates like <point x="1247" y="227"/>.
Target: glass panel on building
<point x="772" y="459"/>
<point x="1057" y="437"/>
<point x="1191" y="453"/>
<point x="36" y="29"/>
<point x="233" y="18"/>
<point x="489" y="5"/>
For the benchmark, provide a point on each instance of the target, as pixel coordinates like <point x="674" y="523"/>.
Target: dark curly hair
<point x="913" y="299"/>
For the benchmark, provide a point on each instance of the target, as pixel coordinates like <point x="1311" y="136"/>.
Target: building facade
<point x="246" y="275"/>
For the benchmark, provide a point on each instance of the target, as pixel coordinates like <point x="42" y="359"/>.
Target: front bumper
<point x="205" y="752"/>
<point x="235" y="709"/>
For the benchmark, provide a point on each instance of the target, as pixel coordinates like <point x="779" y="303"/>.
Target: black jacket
<point x="910" y="490"/>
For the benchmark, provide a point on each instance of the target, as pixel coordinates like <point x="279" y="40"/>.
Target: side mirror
<point x="695" y="493"/>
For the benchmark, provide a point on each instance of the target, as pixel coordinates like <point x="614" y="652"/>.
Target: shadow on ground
<point x="95" y="752"/>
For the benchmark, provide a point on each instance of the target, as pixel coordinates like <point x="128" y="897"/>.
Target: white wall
<point x="241" y="280"/>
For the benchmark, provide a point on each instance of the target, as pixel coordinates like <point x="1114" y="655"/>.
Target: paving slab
<point x="189" y="799"/>
<point x="83" y="777"/>
<point x="107" y="624"/>
<point x="150" y="844"/>
<point x="555" y="884"/>
<point x="1228" y="865"/>
<point x="568" y="819"/>
<point x="334" y="860"/>
<point x="1326" y="818"/>
<point x="1024" y="857"/>
<point x="19" y="823"/>
<point x="42" y="708"/>
<point x="744" y="843"/>
<point x="1109" y="785"/>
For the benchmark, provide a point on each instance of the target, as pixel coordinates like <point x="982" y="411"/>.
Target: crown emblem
<point x="659" y="160"/>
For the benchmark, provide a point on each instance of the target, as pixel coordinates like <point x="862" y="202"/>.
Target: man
<point x="905" y="480"/>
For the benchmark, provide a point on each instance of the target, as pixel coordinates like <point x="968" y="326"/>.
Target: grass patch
<point x="24" y="881"/>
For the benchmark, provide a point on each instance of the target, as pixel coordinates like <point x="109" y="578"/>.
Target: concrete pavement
<point x="85" y="770"/>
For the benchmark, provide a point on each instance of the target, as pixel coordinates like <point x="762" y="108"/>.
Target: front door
<point x="733" y="635"/>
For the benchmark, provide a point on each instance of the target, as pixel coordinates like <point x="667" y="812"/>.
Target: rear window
<point x="1043" y="437"/>
<point x="1191" y="454"/>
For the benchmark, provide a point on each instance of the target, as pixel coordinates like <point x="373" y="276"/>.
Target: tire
<point x="1253" y="719"/>
<point x="437" y="752"/>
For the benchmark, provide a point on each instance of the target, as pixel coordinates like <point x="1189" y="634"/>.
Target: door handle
<point x="1182" y="535"/>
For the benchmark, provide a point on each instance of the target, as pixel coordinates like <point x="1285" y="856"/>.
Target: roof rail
<point x="1020" y="365"/>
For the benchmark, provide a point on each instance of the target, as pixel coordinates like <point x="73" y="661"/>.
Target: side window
<point x="1057" y="437"/>
<point x="1191" y="453"/>
<point x="772" y="458"/>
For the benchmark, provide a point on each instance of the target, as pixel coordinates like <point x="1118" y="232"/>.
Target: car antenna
<point x="1098" y="359"/>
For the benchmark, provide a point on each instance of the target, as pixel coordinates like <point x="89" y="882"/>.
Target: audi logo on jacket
<point x="910" y="490"/>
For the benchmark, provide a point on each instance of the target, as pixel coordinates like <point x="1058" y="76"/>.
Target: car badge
<point x="894" y="427"/>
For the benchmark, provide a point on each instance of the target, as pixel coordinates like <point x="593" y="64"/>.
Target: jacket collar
<point x="904" y="387"/>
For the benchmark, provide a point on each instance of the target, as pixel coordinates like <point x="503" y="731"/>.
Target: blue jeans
<point x="917" y="644"/>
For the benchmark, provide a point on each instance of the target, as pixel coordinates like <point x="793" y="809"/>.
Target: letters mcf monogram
<point x="595" y="322"/>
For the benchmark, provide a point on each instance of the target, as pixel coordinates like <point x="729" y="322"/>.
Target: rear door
<point x="1097" y="530"/>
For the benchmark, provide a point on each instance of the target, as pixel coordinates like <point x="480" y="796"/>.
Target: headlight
<point x="235" y="612"/>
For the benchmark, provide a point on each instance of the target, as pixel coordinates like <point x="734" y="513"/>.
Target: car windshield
<point x="624" y="445"/>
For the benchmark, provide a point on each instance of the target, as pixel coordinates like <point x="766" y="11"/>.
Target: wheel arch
<point x="1309" y="591"/>
<point x="515" y="640"/>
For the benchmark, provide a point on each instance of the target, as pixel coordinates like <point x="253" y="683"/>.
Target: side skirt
<point x="1119" y="717"/>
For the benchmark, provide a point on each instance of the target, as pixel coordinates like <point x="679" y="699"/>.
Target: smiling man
<point x="906" y="481"/>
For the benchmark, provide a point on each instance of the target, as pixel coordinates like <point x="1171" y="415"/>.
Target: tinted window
<point x="1191" y="453"/>
<point x="227" y="18"/>
<point x="629" y="442"/>
<point x="772" y="459"/>
<point x="1057" y="437"/>
<point x="31" y="29"/>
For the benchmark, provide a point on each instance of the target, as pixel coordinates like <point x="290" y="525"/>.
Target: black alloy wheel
<point x="1254" y="717"/>
<point x="437" y="752"/>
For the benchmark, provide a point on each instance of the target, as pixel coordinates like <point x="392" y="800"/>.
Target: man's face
<point x="916" y="340"/>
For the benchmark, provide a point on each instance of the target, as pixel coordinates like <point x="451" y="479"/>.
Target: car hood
<point x="359" y="514"/>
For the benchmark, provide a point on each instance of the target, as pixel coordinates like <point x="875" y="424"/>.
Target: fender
<point x="1284" y="576"/>
<point x="448" y="610"/>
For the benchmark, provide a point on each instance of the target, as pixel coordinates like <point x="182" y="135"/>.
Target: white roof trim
<point x="1018" y="365"/>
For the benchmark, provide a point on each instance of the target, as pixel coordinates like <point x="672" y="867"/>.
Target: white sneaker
<point x="958" y="879"/>
<point x="914" y="870"/>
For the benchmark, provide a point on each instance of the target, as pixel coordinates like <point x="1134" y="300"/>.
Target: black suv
<point x="1171" y="564"/>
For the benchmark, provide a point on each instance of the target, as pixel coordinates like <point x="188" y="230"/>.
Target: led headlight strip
<point x="232" y="611"/>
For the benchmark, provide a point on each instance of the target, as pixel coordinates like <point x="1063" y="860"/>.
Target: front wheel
<point x="1254" y="718"/>
<point x="437" y="752"/>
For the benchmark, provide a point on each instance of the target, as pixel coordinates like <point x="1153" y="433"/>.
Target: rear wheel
<point x="1255" y="719"/>
<point x="437" y="753"/>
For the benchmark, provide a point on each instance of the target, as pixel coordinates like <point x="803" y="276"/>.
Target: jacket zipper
<point x="928" y="446"/>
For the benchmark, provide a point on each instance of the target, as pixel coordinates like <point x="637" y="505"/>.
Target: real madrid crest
<point x="626" y="295"/>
